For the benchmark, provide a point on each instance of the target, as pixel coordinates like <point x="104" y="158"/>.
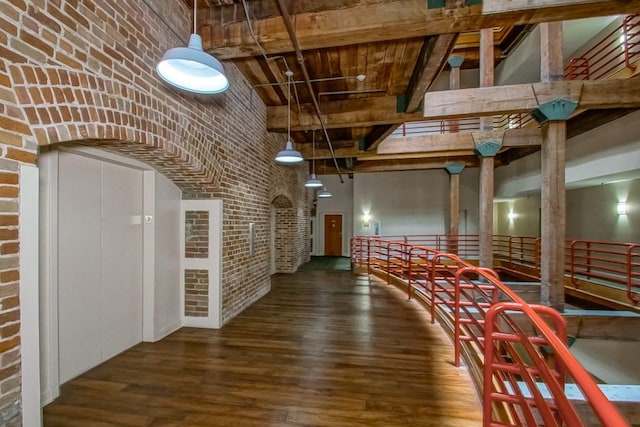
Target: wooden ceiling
<point x="400" y="46"/>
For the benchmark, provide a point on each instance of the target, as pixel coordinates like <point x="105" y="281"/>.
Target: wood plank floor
<point x="322" y="349"/>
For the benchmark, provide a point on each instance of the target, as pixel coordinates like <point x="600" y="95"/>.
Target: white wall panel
<point x="100" y="261"/>
<point x="80" y="253"/>
<point x="121" y="258"/>
<point x="167" y="257"/>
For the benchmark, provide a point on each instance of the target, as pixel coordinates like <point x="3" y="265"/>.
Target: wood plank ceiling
<point x="397" y="60"/>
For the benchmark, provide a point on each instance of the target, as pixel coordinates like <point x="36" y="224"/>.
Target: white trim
<point x="148" y="255"/>
<point x="165" y="332"/>
<point x="49" y="352"/>
<point x="106" y="156"/>
<point x="213" y="264"/>
<point x="29" y="312"/>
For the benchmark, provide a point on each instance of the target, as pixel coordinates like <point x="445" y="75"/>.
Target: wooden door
<point x="333" y="235"/>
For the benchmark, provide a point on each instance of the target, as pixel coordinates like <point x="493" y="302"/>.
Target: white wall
<point x="413" y="202"/>
<point x="608" y="153"/>
<point x="29" y="313"/>
<point x="100" y="261"/>
<point x="161" y="298"/>
<point x="341" y="202"/>
<point x="167" y="310"/>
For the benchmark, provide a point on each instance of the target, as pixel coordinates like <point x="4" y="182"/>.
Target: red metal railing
<point x="617" y="50"/>
<point x="521" y="249"/>
<point x="617" y="263"/>
<point x="517" y="360"/>
<point x="606" y="263"/>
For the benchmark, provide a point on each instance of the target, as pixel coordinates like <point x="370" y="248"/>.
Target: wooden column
<point x="487" y="162"/>
<point x="552" y="177"/>
<point x="454" y="170"/>
<point x="455" y="62"/>
<point x="454" y="203"/>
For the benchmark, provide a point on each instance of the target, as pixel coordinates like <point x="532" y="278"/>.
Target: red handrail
<point x="510" y="355"/>
<point x="608" y="263"/>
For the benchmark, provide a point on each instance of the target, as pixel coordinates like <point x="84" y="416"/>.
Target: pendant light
<point x="313" y="181"/>
<point x="289" y="155"/>
<point x="192" y="69"/>
<point x="324" y="193"/>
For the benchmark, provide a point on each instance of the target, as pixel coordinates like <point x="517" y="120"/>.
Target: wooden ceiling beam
<point x="462" y="103"/>
<point x="431" y="61"/>
<point x="488" y="101"/>
<point x="460" y="141"/>
<point x="324" y="153"/>
<point x="336" y="23"/>
<point x="402" y="165"/>
<point x="377" y="135"/>
<point x="341" y="114"/>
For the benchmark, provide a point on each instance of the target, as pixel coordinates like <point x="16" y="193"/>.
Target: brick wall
<point x="81" y="71"/>
<point x="196" y="293"/>
<point x="196" y="241"/>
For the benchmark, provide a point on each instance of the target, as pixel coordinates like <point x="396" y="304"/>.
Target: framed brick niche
<point x="201" y="252"/>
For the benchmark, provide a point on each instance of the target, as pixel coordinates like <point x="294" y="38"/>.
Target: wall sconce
<point x="622" y="208"/>
<point x="511" y="216"/>
<point x="366" y="220"/>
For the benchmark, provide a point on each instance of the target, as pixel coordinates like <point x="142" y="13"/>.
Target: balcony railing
<point x="608" y="263"/>
<point x="520" y="375"/>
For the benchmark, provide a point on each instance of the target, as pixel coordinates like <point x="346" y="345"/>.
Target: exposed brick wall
<point x="196" y="244"/>
<point x="196" y="293"/>
<point x="82" y="71"/>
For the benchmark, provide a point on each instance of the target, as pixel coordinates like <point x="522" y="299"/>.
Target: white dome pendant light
<point x="313" y="181"/>
<point x="191" y="69"/>
<point x="324" y="193"/>
<point x="289" y="155"/>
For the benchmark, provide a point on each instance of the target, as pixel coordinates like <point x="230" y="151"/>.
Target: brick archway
<point x="70" y="106"/>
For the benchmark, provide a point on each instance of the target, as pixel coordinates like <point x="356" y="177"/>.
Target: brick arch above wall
<point x="282" y="202"/>
<point x="71" y="106"/>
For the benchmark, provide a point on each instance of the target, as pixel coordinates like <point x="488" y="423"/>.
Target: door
<point x="333" y="235"/>
<point x="100" y="261"/>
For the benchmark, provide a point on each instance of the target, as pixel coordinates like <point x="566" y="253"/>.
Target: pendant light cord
<point x="289" y="106"/>
<point x="195" y="14"/>
<point x="313" y="154"/>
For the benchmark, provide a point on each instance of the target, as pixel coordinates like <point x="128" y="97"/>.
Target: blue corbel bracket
<point x="559" y="109"/>
<point x="454" y="168"/>
<point x="487" y="148"/>
<point x="455" y="61"/>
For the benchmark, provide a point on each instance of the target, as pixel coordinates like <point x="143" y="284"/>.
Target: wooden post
<point x="455" y="62"/>
<point x="454" y="170"/>
<point x="552" y="172"/>
<point x="454" y="203"/>
<point x="487" y="162"/>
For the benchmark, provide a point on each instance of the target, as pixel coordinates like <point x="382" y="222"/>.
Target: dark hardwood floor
<point x="322" y="349"/>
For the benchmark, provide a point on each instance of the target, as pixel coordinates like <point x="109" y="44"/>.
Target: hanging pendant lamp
<point x="289" y="155"/>
<point x="313" y="181"/>
<point x="324" y="193"/>
<point x="192" y="69"/>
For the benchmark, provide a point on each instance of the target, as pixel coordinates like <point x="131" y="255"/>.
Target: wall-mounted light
<point x="622" y="208"/>
<point x="511" y="216"/>
<point x="366" y="220"/>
